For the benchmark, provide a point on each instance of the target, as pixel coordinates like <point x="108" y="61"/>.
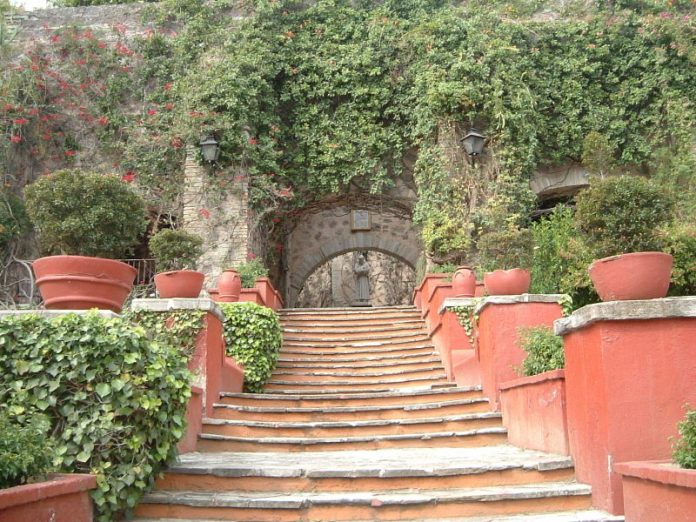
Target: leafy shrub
<point x="680" y="241"/>
<point x="13" y="219"/>
<point x="544" y="350"/>
<point x="175" y="249"/>
<point x="622" y="214"/>
<point x="85" y="213"/>
<point x="685" y="447"/>
<point x="250" y="271"/>
<point x="115" y="399"/>
<point x="26" y="451"/>
<point x="445" y="237"/>
<point x="253" y="338"/>
<point x="177" y="328"/>
<point x="510" y="247"/>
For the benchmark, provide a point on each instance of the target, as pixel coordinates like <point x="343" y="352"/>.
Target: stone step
<point x="209" y="442"/>
<point x="359" y="362"/>
<point x="300" y="375"/>
<point x="357" y="340"/>
<point x="374" y="350"/>
<point x="343" y="413"/>
<point x="339" y="323"/>
<point x="366" y="311"/>
<point x="407" y="396"/>
<point x="353" y="385"/>
<point x="355" y="428"/>
<point x="386" y="326"/>
<point x="342" y="506"/>
<point x="387" y="470"/>
<point x="390" y="365"/>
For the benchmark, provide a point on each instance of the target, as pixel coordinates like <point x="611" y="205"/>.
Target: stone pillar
<point x="500" y="319"/>
<point x="630" y="368"/>
<point x="463" y="367"/>
<point x="216" y="207"/>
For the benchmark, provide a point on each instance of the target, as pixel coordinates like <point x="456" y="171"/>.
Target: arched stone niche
<point x="325" y="234"/>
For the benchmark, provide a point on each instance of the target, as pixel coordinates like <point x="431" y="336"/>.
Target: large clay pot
<point x="640" y="275"/>
<point x="229" y="286"/>
<point x="179" y="283"/>
<point x="507" y="282"/>
<point x="81" y="282"/>
<point x="464" y="282"/>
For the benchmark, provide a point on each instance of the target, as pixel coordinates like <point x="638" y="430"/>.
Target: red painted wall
<point x="626" y="386"/>
<point x="498" y="341"/>
<point x="534" y="412"/>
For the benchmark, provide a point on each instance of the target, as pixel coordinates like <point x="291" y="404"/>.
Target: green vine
<point x="467" y="317"/>
<point x="177" y="328"/>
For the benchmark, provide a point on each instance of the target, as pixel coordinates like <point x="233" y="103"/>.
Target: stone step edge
<point x="302" y="500"/>
<point x="356" y="373"/>
<point x="359" y="339"/>
<point x="368" y="395"/>
<point x="389" y="327"/>
<point x="311" y="441"/>
<point x="345" y="392"/>
<point x="440" y="376"/>
<point x="353" y="424"/>
<point x="430" y="356"/>
<point x="422" y="348"/>
<point x="354" y="409"/>
<point x="336" y="319"/>
<point x="352" y="309"/>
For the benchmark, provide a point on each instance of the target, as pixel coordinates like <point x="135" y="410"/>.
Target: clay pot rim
<point x="507" y="270"/>
<point x="172" y="272"/>
<point x="642" y="253"/>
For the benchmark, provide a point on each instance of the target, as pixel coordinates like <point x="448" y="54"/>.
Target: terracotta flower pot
<point x="229" y="286"/>
<point x="179" y="283"/>
<point x="81" y="282"/>
<point x="464" y="282"/>
<point x="640" y="275"/>
<point x="507" y="282"/>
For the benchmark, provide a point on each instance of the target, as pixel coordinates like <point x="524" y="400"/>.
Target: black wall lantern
<point x="210" y="149"/>
<point x="473" y="142"/>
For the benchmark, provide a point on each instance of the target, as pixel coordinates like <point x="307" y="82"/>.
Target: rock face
<point x="334" y="284"/>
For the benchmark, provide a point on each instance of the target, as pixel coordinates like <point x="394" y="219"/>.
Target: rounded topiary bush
<point x="175" y="249"/>
<point x="253" y="338"/>
<point x="619" y="215"/>
<point x="85" y="213"/>
<point x="115" y="399"/>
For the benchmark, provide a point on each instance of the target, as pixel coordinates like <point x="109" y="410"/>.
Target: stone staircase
<point x="359" y="423"/>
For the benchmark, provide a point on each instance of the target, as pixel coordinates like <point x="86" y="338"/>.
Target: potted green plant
<point x="506" y="255"/>
<point x="619" y="219"/>
<point x="176" y="253"/>
<point x="85" y="221"/>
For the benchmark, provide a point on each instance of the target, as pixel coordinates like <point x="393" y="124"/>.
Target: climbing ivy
<point x="177" y="328"/>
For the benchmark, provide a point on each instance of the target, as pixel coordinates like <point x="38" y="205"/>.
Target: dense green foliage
<point x="544" y="350"/>
<point x="622" y="214"/>
<point x="176" y="328"/>
<point x="250" y="271"/>
<point x="175" y="250"/>
<point x="26" y="451"/>
<point x="13" y="219"/>
<point x="509" y="247"/>
<point x="85" y="213"/>
<point x="680" y="241"/>
<point x="253" y="338"/>
<point x="115" y="399"/>
<point x="78" y="3"/>
<point x="685" y="447"/>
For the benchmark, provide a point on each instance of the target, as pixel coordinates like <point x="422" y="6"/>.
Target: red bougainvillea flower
<point x="168" y="86"/>
<point x="55" y="38"/>
<point x="20" y="121"/>
<point x="128" y="177"/>
<point x="103" y="121"/>
<point x="250" y="256"/>
<point x="16" y="138"/>
<point x="252" y="141"/>
<point x="204" y="212"/>
<point x="33" y="111"/>
<point x="169" y="106"/>
<point x="152" y="112"/>
<point x="70" y="153"/>
<point x="276" y="220"/>
<point x="177" y="142"/>
<point x="101" y="45"/>
<point x="238" y="178"/>
<point x="279" y="247"/>
<point x="8" y="107"/>
<point x="120" y="28"/>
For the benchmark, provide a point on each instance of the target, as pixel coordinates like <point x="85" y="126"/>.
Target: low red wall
<point x="498" y="340"/>
<point x="534" y="412"/>
<point x="65" y="498"/>
<point x="658" y="490"/>
<point x="251" y="295"/>
<point x="626" y="386"/>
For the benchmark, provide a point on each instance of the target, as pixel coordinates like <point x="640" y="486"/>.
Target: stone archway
<point x="327" y="233"/>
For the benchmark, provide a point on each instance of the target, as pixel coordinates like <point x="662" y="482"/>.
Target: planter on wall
<point x="179" y="283"/>
<point x="464" y="282"/>
<point x="657" y="490"/>
<point x="63" y="498"/>
<point x="639" y="275"/>
<point x="81" y="282"/>
<point x="507" y="282"/>
<point x="229" y="286"/>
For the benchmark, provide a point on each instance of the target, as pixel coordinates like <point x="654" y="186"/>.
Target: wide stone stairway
<point x="359" y="423"/>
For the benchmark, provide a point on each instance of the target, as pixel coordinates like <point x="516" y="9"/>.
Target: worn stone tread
<point x="354" y="409"/>
<point x="430" y="357"/>
<point x="422" y="348"/>
<point x="354" y="424"/>
<point x="300" y="500"/>
<point x="430" y="378"/>
<point x="369" y="394"/>
<point x="433" y="368"/>
<point x="310" y="441"/>
<point x="409" y="462"/>
<point x="589" y="515"/>
<point x="359" y="340"/>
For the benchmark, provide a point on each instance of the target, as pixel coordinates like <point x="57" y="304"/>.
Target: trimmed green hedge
<point x="115" y="399"/>
<point x="253" y="337"/>
<point x="544" y="350"/>
<point x="685" y="447"/>
<point x="26" y="452"/>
